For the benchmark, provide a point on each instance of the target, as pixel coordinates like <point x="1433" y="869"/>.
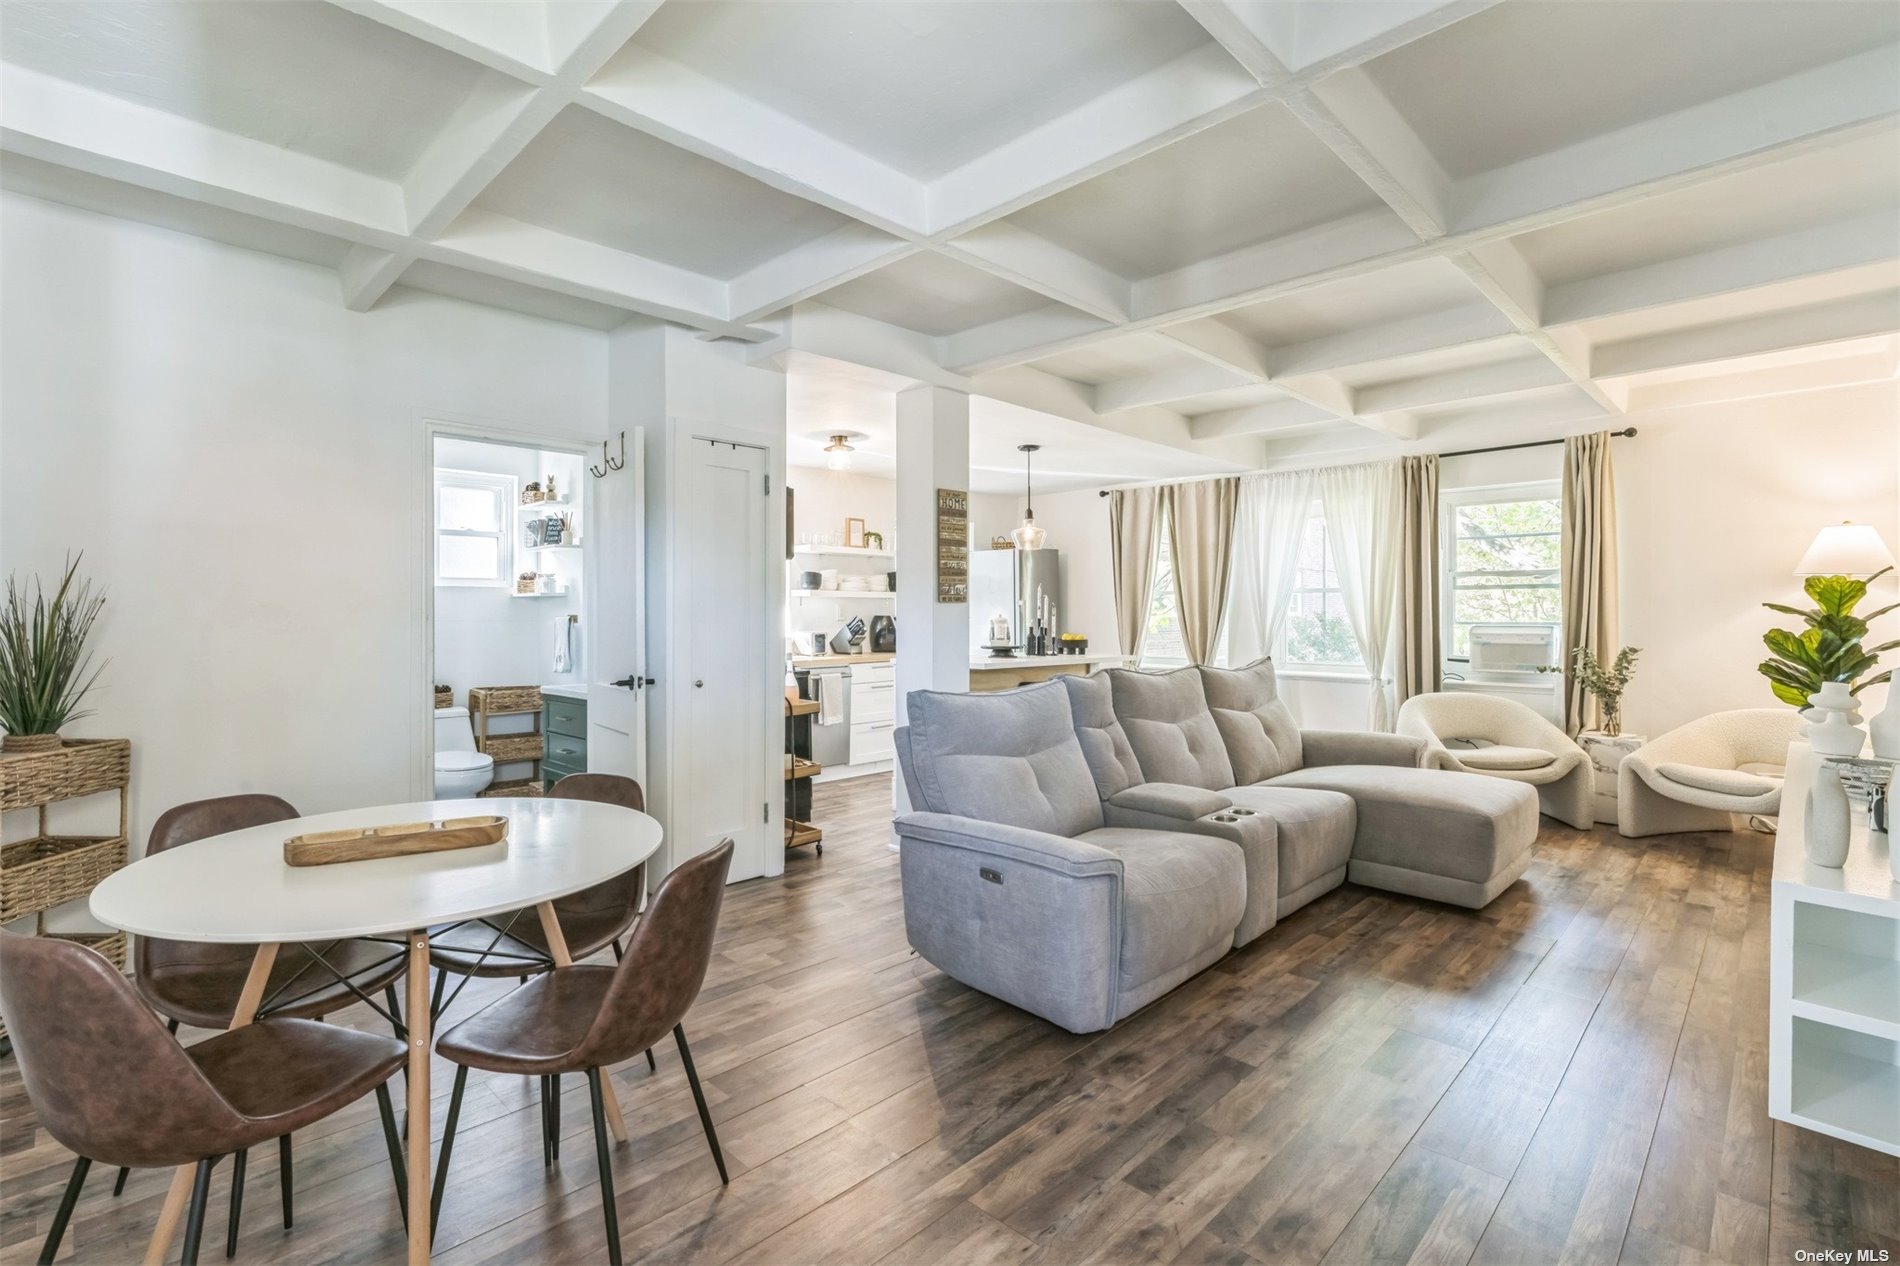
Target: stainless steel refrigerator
<point x="1015" y="583"/>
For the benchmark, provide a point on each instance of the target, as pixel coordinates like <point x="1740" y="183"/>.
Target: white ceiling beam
<point x="1354" y="119"/>
<point x="1473" y="382"/>
<point x="1505" y="277"/>
<point x="811" y="268"/>
<point x="1259" y="419"/>
<point x="1869" y="241"/>
<point x="72" y="126"/>
<point x="1031" y="388"/>
<point x="366" y="274"/>
<point x="1732" y="133"/>
<point x="682" y="107"/>
<point x="1472" y="324"/>
<point x="1167" y="386"/>
<point x="1331" y="36"/>
<point x="1870" y="361"/>
<point x="1035" y="263"/>
<point x="467" y="30"/>
<point x="1843" y="320"/>
<point x="1195" y="91"/>
<point x="1217" y="343"/>
<point x="997" y="345"/>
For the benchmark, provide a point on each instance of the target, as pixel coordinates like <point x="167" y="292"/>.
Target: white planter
<point x="1834" y="732"/>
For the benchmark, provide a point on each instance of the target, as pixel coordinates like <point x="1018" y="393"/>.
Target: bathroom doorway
<point x="508" y="531"/>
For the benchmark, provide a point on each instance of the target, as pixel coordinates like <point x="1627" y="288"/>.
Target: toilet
<point x="460" y="770"/>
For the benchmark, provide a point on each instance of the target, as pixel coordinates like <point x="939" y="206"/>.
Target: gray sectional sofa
<point x="1082" y="846"/>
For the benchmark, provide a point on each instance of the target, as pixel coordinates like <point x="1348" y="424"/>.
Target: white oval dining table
<point x="237" y="888"/>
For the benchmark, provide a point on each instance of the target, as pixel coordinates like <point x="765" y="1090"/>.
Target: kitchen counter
<point x="988" y="663"/>
<point x="835" y="661"/>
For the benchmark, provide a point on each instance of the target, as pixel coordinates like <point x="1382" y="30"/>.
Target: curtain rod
<point x="1626" y="433"/>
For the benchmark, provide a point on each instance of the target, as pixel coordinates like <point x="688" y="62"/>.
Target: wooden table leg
<point x="169" y="1214"/>
<point x="557" y="946"/>
<point x="419" y="1050"/>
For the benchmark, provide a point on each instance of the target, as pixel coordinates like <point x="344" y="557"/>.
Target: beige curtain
<point x="1131" y="527"/>
<point x="1589" y="566"/>
<point x="1200" y="518"/>
<point x="1420" y="659"/>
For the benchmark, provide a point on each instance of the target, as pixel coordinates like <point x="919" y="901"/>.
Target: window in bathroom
<point x="474" y="537"/>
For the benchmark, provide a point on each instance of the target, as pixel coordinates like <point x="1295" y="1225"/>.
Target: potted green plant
<point x="1606" y="685"/>
<point x="1829" y="649"/>
<point x="45" y="666"/>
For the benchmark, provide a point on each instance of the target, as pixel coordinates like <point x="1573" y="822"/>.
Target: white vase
<point x="1884" y="729"/>
<point x="1826" y="827"/>
<point x="1834" y="732"/>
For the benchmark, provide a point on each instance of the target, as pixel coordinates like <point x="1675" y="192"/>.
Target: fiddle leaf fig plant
<point x="1829" y="648"/>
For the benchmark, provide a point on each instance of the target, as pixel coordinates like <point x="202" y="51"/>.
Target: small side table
<point x="1606" y="757"/>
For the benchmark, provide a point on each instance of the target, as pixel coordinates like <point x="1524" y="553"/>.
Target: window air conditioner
<point x="1513" y="648"/>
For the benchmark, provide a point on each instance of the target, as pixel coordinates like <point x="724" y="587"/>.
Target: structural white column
<point x="933" y="451"/>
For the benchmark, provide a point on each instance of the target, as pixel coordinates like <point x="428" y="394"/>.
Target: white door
<point x="719" y="782"/>
<point x="613" y="645"/>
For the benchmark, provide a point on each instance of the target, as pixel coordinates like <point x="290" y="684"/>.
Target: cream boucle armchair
<point x="1694" y="777"/>
<point x="1483" y="734"/>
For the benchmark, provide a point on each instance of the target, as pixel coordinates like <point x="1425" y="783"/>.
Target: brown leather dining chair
<point x="513" y="944"/>
<point x="108" y="1082"/>
<point x="198" y="983"/>
<point x="578" y="1019"/>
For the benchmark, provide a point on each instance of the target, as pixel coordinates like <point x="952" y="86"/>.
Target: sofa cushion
<point x="1104" y="742"/>
<point x="1258" y="729"/>
<point x="1181" y="895"/>
<point x="1170" y="728"/>
<point x="1010" y="756"/>
<point x="1465" y="827"/>
<point x="1499" y="756"/>
<point x="1316" y="830"/>
<point x="1723" y="782"/>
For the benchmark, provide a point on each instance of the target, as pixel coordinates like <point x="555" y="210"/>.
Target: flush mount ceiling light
<point x="1028" y="535"/>
<point x="838" y="453"/>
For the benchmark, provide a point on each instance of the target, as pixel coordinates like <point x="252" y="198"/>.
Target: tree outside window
<point x="1317" y="633"/>
<point x="1503" y="555"/>
<point x="1162" y="647"/>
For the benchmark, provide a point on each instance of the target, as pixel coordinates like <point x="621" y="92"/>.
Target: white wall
<point x="1714" y="503"/>
<point x="484" y="635"/>
<point x="244" y="463"/>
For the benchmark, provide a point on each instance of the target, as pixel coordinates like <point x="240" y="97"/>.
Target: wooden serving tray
<point x="322" y="848"/>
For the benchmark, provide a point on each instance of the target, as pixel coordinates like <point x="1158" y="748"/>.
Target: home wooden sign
<point x="953" y="546"/>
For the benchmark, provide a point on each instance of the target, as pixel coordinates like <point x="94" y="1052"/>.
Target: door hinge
<point x="767" y="815"/>
<point x="768" y="485"/>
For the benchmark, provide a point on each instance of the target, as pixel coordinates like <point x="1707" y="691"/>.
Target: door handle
<point x="698" y="685"/>
<point x="632" y="683"/>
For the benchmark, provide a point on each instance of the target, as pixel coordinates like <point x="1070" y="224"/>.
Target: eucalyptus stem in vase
<point x="1605" y="684"/>
<point x="45" y="666"/>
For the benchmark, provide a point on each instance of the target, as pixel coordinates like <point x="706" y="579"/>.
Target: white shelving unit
<point x="840" y="551"/>
<point x="1834" y="981"/>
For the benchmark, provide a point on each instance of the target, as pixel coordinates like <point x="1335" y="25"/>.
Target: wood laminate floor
<point x="1576" y="1074"/>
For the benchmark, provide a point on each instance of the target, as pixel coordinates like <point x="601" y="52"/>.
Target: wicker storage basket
<point x="80" y="768"/>
<point x="508" y="748"/>
<point x="526" y="787"/>
<point x="444" y="697"/>
<point x="499" y="700"/>
<point x="49" y="870"/>
<point x="109" y="945"/>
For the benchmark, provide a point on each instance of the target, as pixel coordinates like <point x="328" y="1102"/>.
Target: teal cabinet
<point x="564" y="721"/>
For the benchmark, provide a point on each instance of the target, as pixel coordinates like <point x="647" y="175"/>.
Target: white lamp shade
<point x="1845" y="549"/>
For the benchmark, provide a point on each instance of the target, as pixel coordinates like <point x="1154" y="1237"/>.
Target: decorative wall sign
<point x="953" y="546"/>
<point x="854" y="533"/>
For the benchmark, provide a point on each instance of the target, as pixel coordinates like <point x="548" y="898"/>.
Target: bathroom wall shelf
<point x="839" y="595"/>
<point x="558" y="593"/>
<point x="842" y="551"/>
<point x="554" y="549"/>
<point x="526" y="506"/>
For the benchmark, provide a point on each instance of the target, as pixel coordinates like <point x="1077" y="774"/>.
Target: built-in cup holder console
<point x="1229" y="815"/>
<point x="1241" y="813"/>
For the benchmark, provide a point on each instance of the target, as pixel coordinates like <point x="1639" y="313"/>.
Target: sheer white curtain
<point x="1365" y="508"/>
<point x="1267" y="530"/>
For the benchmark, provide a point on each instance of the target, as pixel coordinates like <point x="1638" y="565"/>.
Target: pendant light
<point x="1028" y="535"/>
<point x="838" y="453"/>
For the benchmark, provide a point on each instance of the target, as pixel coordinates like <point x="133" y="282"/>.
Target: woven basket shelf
<point x="528" y="787"/>
<point x="80" y="768"/>
<point x="504" y="700"/>
<point x="48" y="870"/>
<point x="509" y="748"/>
<point x="444" y="697"/>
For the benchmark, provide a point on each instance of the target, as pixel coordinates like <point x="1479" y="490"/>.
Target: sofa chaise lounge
<point x="1082" y="846"/>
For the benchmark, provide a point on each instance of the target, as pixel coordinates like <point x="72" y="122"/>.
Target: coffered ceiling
<point x="1229" y="230"/>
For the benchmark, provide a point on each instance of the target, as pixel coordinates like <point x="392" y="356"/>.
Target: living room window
<point x="1317" y="634"/>
<point x="474" y="536"/>
<point x="1501" y="549"/>
<point x="1163" y="647"/>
